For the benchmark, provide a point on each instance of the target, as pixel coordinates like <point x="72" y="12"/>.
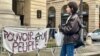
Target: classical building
<point x="31" y="12"/>
<point x="7" y="16"/>
<point x="22" y="13"/>
<point x="37" y="13"/>
<point x="91" y="14"/>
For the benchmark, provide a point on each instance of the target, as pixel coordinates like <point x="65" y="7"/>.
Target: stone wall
<point x="93" y="20"/>
<point x="31" y="13"/>
<point x="7" y="16"/>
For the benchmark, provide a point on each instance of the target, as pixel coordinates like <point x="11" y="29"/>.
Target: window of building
<point x="39" y="13"/>
<point x="52" y="17"/>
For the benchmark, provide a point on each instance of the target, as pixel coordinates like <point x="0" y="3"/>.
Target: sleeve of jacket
<point x="81" y="24"/>
<point x="71" y="27"/>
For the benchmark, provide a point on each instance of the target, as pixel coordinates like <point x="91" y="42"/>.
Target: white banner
<point x="19" y="40"/>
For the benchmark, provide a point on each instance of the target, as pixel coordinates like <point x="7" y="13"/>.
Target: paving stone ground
<point x="82" y="51"/>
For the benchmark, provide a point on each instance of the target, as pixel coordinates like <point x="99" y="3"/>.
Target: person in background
<point x="49" y="26"/>
<point x="70" y="30"/>
<point x="52" y="30"/>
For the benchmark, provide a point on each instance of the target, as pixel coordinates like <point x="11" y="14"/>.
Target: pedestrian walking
<point x="70" y="30"/>
<point x="52" y="30"/>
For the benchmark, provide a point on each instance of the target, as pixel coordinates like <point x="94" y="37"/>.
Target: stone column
<point x="6" y="6"/>
<point x="93" y="15"/>
<point x="7" y="16"/>
<point x="58" y="16"/>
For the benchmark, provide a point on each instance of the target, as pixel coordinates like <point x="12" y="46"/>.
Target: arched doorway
<point x="51" y="17"/>
<point x="51" y="21"/>
<point x="85" y="18"/>
<point x="85" y="13"/>
<point x="64" y="15"/>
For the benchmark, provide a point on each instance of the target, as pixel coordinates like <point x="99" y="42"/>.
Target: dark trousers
<point x="52" y="33"/>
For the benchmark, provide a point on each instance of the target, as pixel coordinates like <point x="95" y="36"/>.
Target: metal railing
<point x="50" y="46"/>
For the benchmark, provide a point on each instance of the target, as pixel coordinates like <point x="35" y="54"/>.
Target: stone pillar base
<point x="9" y="20"/>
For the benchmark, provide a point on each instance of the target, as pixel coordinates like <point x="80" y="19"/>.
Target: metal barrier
<point x="51" y="45"/>
<point x="51" y="42"/>
<point x="2" y="50"/>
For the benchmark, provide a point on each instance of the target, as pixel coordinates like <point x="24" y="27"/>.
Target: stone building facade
<point x="32" y="12"/>
<point x="22" y="13"/>
<point x="91" y="14"/>
<point x="7" y="16"/>
<point x="37" y="13"/>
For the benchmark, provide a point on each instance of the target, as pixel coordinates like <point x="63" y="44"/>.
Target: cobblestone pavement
<point x="82" y="51"/>
<point x="88" y="50"/>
